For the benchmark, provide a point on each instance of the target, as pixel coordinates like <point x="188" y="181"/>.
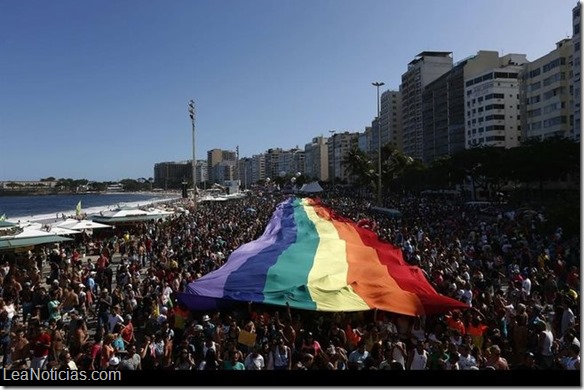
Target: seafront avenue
<point x="118" y="310"/>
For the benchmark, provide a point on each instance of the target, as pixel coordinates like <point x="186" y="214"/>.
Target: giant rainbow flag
<point x="312" y="259"/>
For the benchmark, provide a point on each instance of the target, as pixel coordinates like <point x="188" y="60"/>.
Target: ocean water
<point x="45" y="207"/>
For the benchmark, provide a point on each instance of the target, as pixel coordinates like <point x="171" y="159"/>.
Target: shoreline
<point x="56" y="216"/>
<point x="51" y="193"/>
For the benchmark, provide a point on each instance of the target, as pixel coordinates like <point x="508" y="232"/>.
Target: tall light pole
<point x="378" y="84"/>
<point x="192" y="115"/>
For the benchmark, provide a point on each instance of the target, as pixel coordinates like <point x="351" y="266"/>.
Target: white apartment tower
<point x="316" y="158"/>
<point x="390" y="118"/>
<point x="492" y="104"/>
<point x="425" y="68"/>
<point x="258" y="167"/>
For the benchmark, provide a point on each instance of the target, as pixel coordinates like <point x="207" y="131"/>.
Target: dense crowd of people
<point x="64" y="309"/>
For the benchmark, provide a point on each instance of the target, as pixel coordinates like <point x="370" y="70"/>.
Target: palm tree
<point x="393" y="164"/>
<point x="358" y="165"/>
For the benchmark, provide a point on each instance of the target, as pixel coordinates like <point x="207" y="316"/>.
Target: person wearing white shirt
<point x="114" y="318"/>
<point x="526" y="285"/>
<point x="568" y="319"/>
<point x="418" y="359"/>
<point x="466" y="360"/>
<point x="254" y="361"/>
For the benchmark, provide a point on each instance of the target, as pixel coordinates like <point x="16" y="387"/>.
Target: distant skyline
<point x="99" y="90"/>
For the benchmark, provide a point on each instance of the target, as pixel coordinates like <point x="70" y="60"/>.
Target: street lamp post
<point x="192" y="115"/>
<point x="378" y="84"/>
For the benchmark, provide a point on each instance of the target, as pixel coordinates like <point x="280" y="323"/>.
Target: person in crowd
<point x="234" y="362"/>
<point x="418" y="357"/>
<point x="279" y="356"/>
<point x="41" y="347"/>
<point x="255" y="360"/>
<point x="358" y="357"/>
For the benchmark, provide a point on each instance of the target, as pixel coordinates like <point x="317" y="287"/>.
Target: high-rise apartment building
<point x="216" y="157"/>
<point x="364" y="143"/>
<point x="339" y="145"/>
<point x="201" y="171"/>
<point x="390" y="118"/>
<point x="258" y="167"/>
<point x="245" y="171"/>
<point x="493" y="105"/>
<point x="273" y="162"/>
<point x="171" y="174"/>
<point x="545" y="94"/>
<point x="576" y="71"/>
<point x="425" y="68"/>
<point x="316" y="158"/>
<point x="224" y="171"/>
<point x="290" y="161"/>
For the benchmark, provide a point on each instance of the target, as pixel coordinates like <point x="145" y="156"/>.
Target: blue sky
<point x="99" y="89"/>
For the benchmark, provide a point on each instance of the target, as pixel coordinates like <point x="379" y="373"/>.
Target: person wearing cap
<point x="113" y="363"/>
<point x="163" y="316"/>
<point x="196" y="340"/>
<point x="208" y="326"/>
<point x="310" y="345"/>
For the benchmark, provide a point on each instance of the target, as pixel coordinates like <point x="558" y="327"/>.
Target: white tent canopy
<point x="83" y="224"/>
<point x="130" y="215"/>
<point x="311" y="187"/>
<point x="28" y="236"/>
<point x="53" y="229"/>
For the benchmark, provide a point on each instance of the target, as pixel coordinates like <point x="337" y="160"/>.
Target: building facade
<point x="493" y="105"/>
<point x="576" y="71"/>
<point x="390" y="119"/>
<point x="339" y="145"/>
<point x="316" y="159"/>
<point x="546" y="94"/>
<point x="425" y="68"/>
<point x="214" y="158"/>
<point x="171" y="174"/>
<point x="258" y="167"/>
